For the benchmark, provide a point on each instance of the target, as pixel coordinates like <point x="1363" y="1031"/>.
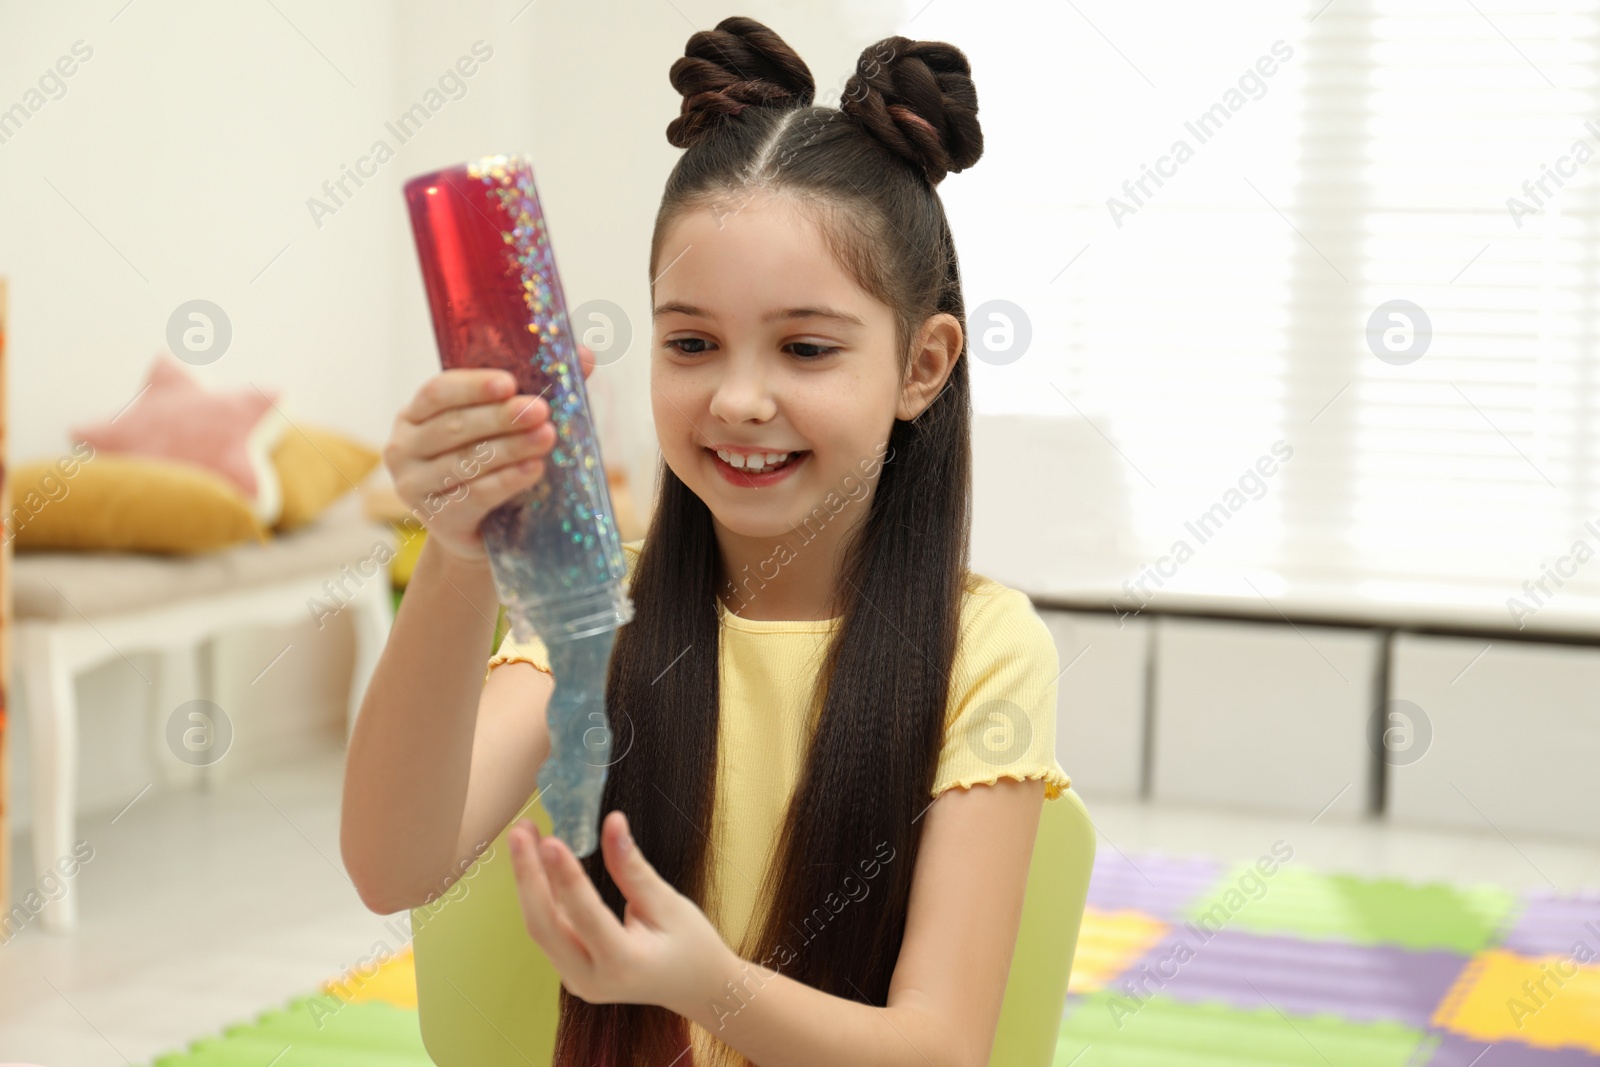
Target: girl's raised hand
<point x="665" y="952"/>
<point x="465" y="444"/>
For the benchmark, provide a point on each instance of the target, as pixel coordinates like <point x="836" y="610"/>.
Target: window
<point x="1202" y="209"/>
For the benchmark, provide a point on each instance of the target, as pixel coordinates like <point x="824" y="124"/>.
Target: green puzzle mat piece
<point x="1362" y="911"/>
<point x="367" y="1034"/>
<point x="1169" y="1033"/>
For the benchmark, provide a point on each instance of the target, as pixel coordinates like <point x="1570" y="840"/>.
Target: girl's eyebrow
<point x="675" y="307"/>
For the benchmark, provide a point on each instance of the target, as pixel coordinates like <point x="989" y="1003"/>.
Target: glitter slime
<point x="553" y="549"/>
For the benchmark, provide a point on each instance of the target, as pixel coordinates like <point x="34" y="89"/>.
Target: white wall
<point x="194" y="136"/>
<point x="178" y="163"/>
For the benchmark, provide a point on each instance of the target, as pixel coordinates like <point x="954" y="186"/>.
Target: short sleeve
<point x="533" y="651"/>
<point x="1002" y="719"/>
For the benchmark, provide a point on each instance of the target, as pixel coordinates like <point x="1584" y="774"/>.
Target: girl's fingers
<point x="457" y="387"/>
<point x="586" y="360"/>
<point x="449" y="431"/>
<point x="580" y="901"/>
<point x="638" y="880"/>
<point x="444" y="474"/>
<point x="540" y="910"/>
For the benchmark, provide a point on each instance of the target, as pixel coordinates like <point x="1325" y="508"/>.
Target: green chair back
<point x="487" y="995"/>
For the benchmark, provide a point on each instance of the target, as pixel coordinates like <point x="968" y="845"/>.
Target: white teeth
<point x="756" y="461"/>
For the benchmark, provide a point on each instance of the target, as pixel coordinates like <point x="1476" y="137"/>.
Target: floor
<point x="201" y="910"/>
<point x="196" y="911"/>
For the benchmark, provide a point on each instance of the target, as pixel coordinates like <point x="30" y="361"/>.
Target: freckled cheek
<point x="835" y="421"/>
<point x="676" y="399"/>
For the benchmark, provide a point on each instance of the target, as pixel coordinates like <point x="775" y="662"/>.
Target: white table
<point x="74" y="610"/>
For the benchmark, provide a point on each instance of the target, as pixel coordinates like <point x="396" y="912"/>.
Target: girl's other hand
<point x="665" y="952"/>
<point x="466" y="444"/>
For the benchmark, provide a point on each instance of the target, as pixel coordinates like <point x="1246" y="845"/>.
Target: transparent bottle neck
<point x="571" y="618"/>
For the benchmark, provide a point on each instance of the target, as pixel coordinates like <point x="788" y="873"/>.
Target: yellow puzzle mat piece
<point x="1546" y="1001"/>
<point x="392" y="980"/>
<point x="1108" y="944"/>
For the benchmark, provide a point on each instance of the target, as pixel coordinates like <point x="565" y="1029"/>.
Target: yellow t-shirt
<point x="1001" y="722"/>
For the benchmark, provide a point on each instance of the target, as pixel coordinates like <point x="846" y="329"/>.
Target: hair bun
<point x="723" y="71"/>
<point x="917" y="97"/>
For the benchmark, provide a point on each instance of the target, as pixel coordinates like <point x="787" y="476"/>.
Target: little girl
<point x="795" y="865"/>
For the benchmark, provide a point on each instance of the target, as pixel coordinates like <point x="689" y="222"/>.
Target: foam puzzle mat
<point x="1184" y="962"/>
<point x="1187" y="963"/>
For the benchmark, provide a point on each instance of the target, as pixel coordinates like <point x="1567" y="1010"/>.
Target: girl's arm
<point x="440" y="761"/>
<point x="949" y="982"/>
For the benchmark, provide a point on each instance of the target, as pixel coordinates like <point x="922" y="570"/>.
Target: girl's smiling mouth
<point x="769" y="473"/>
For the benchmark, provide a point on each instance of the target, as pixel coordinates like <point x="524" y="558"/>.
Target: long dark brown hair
<point x="866" y="171"/>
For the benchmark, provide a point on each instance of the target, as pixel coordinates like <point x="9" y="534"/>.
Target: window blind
<point x="1238" y="231"/>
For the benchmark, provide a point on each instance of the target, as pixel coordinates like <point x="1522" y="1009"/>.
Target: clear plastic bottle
<point x="554" y="550"/>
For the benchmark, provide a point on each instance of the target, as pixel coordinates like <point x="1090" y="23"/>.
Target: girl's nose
<point x="743" y="393"/>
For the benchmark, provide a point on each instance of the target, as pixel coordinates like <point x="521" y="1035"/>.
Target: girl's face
<point x="763" y="346"/>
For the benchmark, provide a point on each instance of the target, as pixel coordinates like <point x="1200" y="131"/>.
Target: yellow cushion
<point x="411" y="537"/>
<point x="103" y="500"/>
<point x="317" y="467"/>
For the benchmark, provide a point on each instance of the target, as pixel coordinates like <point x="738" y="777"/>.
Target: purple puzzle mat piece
<point x="1356" y="983"/>
<point x="1457" y="1051"/>
<point x="1550" y="925"/>
<point x="1155" y="884"/>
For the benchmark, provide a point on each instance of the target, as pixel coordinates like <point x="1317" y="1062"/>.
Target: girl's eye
<point x="816" y="351"/>
<point x="804" y="350"/>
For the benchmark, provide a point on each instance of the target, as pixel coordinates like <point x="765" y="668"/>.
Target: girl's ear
<point x="938" y="346"/>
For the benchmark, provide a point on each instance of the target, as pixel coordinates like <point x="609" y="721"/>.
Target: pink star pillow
<point x="231" y="434"/>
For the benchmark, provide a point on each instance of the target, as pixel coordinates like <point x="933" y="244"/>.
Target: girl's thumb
<point x="632" y="868"/>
